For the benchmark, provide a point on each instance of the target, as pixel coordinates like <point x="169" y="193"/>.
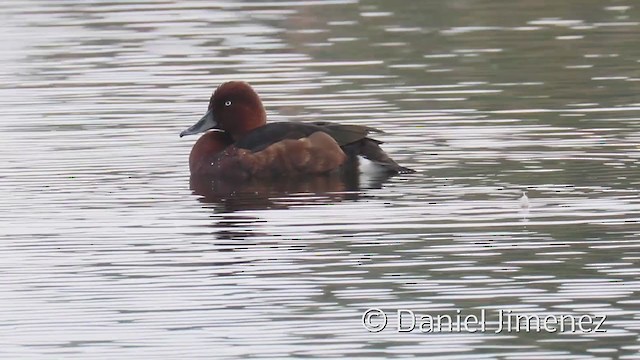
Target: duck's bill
<point x="207" y="122"/>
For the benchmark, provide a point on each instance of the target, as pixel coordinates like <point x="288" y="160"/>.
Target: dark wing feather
<point x="271" y="133"/>
<point x="262" y="137"/>
<point x="346" y="134"/>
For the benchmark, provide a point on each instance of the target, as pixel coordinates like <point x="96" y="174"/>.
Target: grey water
<point x="108" y="250"/>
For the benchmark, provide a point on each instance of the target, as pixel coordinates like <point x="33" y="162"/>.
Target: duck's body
<point x="215" y="154"/>
<point x="249" y="147"/>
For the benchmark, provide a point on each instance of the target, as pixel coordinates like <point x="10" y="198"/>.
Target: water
<point x="108" y="253"/>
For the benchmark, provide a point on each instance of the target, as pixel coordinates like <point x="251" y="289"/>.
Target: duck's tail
<point x="354" y="141"/>
<point x="370" y="150"/>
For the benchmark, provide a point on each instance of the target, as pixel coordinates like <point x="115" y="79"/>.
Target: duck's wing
<point x="347" y="134"/>
<point x="352" y="139"/>
<point x="272" y="133"/>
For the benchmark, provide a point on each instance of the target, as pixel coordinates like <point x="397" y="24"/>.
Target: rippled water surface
<point x="109" y="251"/>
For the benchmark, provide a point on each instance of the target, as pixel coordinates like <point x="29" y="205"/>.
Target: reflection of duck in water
<point x="251" y="194"/>
<point x="251" y="148"/>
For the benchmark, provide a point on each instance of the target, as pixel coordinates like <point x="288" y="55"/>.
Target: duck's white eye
<point x="227" y="103"/>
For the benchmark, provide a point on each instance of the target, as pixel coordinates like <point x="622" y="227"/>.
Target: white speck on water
<point x="524" y="200"/>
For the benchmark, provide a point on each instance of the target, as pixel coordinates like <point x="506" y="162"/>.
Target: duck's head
<point x="235" y="108"/>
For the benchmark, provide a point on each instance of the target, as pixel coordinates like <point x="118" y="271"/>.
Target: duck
<point x="238" y="142"/>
